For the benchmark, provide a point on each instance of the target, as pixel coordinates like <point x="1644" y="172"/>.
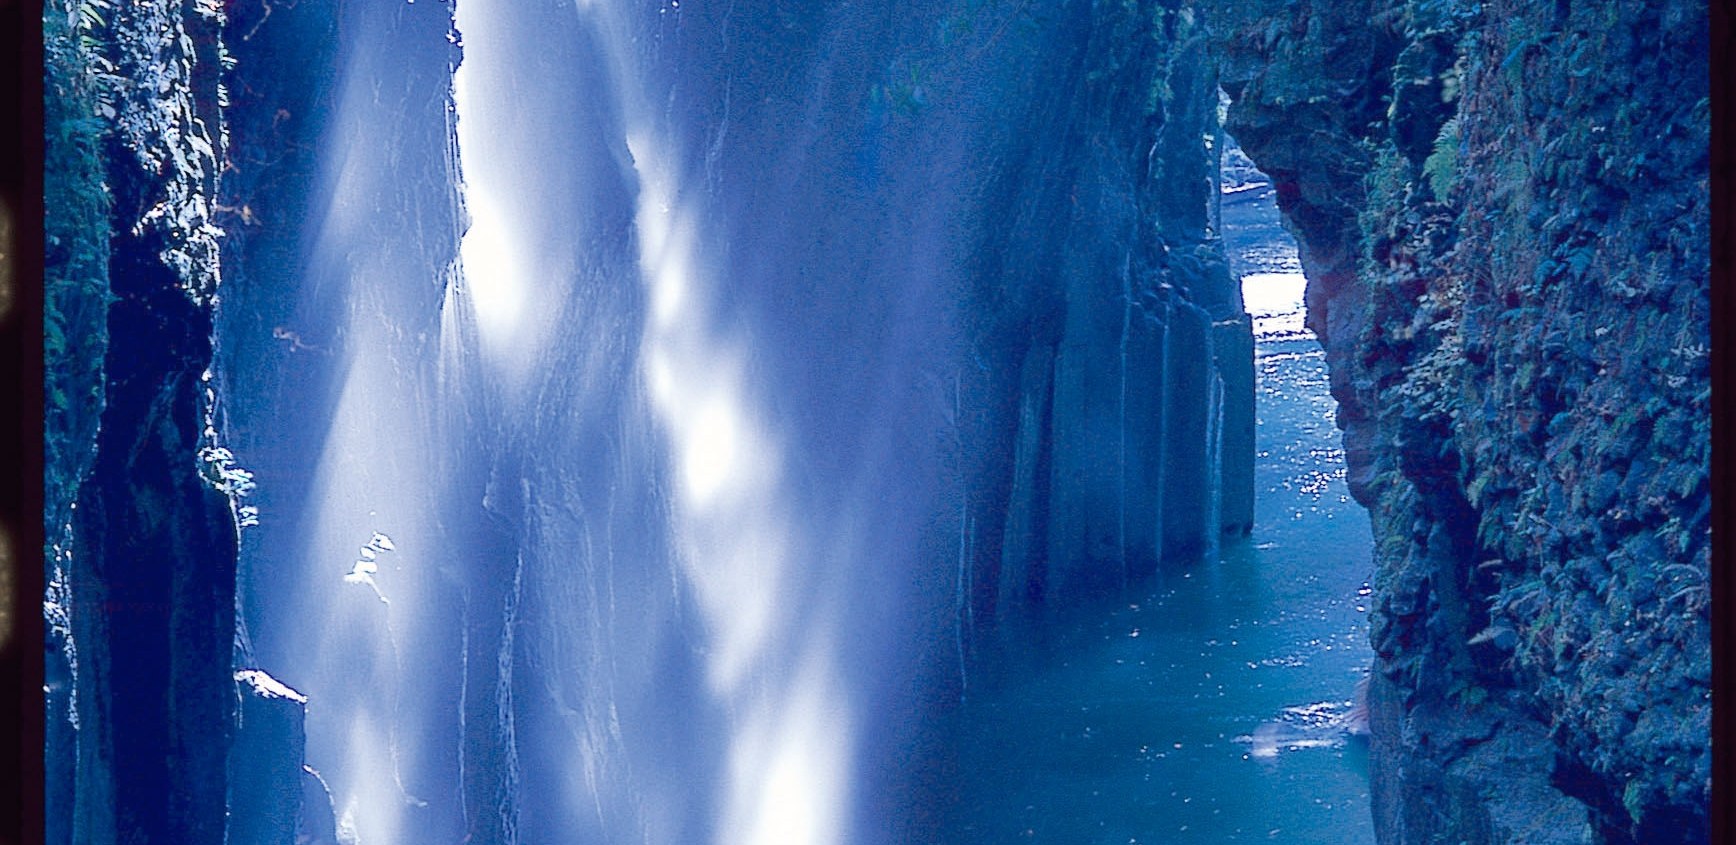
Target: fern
<point x="1442" y="165"/>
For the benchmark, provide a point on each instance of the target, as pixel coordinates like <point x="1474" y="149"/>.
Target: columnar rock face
<point x="1128" y="430"/>
<point x="1503" y="212"/>
<point x="144" y="594"/>
<point x="1233" y="346"/>
<point x="1502" y="208"/>
<point x="1013" y="195"/>
<point x="951" y="198"/>
<point x="265" y="762"/>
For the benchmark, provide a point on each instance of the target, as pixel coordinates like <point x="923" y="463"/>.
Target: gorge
<point x="504" y="422"/>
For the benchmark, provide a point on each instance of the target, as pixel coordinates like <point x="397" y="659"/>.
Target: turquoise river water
<point x="1207" y="705"/>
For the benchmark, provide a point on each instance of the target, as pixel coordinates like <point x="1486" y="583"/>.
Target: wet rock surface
<point x="1502" y="209"/>
<point x="265" y="762"/>
<point x="144" y="573"/>
<point x="1099" y="259"/>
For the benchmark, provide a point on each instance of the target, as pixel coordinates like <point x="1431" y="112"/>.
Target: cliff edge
<point x="1503" y="211"/>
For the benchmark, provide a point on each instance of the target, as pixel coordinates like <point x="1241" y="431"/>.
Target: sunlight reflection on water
<point x="1275" y="302"/>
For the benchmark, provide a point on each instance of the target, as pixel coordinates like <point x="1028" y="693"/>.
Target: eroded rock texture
<point x="1502" y="207"/>
<point x="1503" y="212"/>
<point x="143" y="595"/>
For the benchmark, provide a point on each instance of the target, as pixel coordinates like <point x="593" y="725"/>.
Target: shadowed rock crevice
<point x="1502" y="211"/>
<point x="146" y="582"/>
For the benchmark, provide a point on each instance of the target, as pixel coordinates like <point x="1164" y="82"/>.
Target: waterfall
<point x="1214" y="460"/>
<point x="1121" y="415"/>
<point x="962" y="606"/>
<point x="1166" y="414"/>
<point x="615" y="319"/>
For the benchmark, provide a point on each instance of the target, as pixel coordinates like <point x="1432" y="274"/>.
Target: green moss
<point x="905" y="94"/>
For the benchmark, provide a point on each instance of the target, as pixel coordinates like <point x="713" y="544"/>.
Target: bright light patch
<point x="1276" y="302"/>
<point x="268" y="687"/>
<point x="1272" y="294"/>
<point x="667" y="292"/>
<point x="790" y="732"/>
<point x="710" y="451"/>
<point x="653" y="212"/>
<point x="491" y="274"/>
<point x="742" y="581"/>
<point x="789" y="769"/>
<point x="497" y="258"/>
<point x="662" y="381"/>
<point x="664" y="245"/>
<point x="375" y="804"/>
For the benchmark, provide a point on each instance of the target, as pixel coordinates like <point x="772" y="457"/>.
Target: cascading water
<point x="615" y="600"/>
<point x="673" y="421"/>
<point x="653" y="406"/>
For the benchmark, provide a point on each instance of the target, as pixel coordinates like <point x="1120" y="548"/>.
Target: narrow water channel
<point x="1208" y="705"/>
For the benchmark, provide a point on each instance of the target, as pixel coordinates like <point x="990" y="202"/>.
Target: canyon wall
<point x="964" y="335"/>
<point x="986" y="262"/>
<point x="141" y="599"/>
<point x="1113" y="422"/>
<point x="1502" y="208"/>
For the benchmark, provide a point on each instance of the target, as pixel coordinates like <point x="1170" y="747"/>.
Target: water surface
<point x="1203" y="706"/>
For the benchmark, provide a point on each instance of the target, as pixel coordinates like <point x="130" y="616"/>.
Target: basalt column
<point x="1134" y="410"/>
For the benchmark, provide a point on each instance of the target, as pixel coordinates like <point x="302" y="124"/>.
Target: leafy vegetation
<point x="1441" y="167"/>
<point x="78" y="84"/>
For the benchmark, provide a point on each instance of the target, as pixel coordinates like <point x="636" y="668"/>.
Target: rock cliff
<point x="1502" y="208"/>
<point x="142" y="596"/>
<point x="1503" y="212"/>
<point x="1117" y="420"/>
